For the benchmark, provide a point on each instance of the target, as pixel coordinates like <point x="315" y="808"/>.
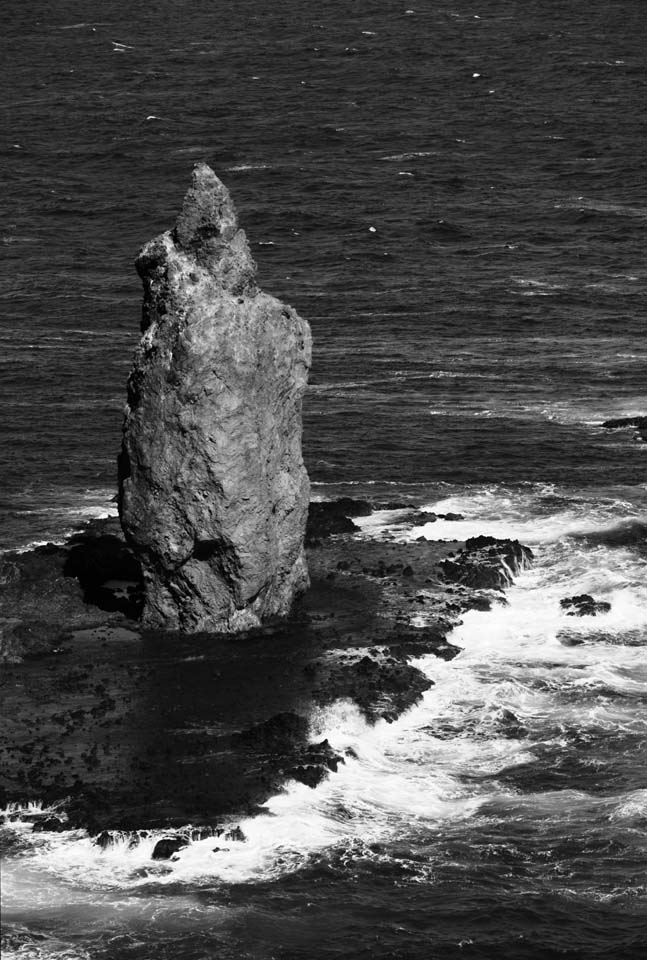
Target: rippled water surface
<point x="453" y="194"/>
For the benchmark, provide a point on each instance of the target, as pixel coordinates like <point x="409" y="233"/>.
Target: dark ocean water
<point x="454" y="195"/>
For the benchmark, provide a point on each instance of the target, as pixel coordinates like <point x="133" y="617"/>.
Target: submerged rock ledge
<point x="213" y="490"/>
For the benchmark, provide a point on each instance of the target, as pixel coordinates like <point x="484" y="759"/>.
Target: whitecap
<point x="631" y="806"/>
<point x="411" y="156"/>
<point x="91" y="23"/>
<point x="249" y="166"/>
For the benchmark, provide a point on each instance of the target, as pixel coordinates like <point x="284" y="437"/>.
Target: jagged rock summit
<point x="213" y="492"/>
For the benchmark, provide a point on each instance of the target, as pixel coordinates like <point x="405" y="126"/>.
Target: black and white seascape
<point x="454" y="195"/>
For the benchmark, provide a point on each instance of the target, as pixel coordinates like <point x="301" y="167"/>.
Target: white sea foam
<point x="241" y="167"/>
<point x="75" y="518"/>
<point x="532" y="515"/>
<point x="411" y="156"/>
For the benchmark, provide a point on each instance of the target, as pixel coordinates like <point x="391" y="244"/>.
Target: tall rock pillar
<point x="213" y="492"/>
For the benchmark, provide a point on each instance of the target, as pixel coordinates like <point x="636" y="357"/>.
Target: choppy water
<point x="454" y="197"/>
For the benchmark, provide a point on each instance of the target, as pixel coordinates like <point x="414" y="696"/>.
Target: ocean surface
<point x="454" y="194"/>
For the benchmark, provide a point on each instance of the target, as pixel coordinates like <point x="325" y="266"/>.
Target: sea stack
<point x="213" y="491"/>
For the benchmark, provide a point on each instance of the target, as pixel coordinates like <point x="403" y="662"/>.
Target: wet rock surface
<point x="584" y="605"/>
<point x="329" y="517"/>
<point x="281" y="745"/>
<point x="639" y="423"/>
<point x="136" y="729"/>
<point x="381" y="686"/>
<point x="487" y="563"/>
<point x="167" y="846"/>
<point x="213" y="488"/>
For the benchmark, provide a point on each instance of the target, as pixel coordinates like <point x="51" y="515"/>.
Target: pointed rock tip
<point x="207" y="212"/>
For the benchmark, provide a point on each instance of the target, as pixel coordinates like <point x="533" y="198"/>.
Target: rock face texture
<point x="487" y="563"/>
<point x="213" y="492"/>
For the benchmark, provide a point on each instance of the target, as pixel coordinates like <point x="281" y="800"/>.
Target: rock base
<point x="141" y="730"/>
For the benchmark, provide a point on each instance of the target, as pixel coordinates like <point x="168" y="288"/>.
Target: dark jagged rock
<point x="416" y="518"/>
<point x="108" y="838"/>
<point x="204" y="832"/>
<point x="164" y="849"/>
<point x="317" y="761"/>
<point x="236" y="834"/>
<point x="329" y="517"/>
<point x="213" y="490"/>
<point x="514" y="553"/>
<point x="282" y="740"/>
<point x="278" y="733"/>
<point x="104" y="839"/>
<point x="311" y="776"/>
<point x="391" y="505"/>
<point x="639" y="423"/>
<point x="352" y="507"/>
<point x="418" y="641"/>
<point x="487" y="563"/>
<point x="381" y="689"/>
<point x="584" y="605"/>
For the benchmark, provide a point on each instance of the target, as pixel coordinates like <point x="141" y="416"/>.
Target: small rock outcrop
<point x="213" y="492"/>
<point x="639" y="423"/>
<point x="487" y="563"/>
<point x="165" y="848"/>
<point x="330" y="517"/>
<point x="584" y="605"/>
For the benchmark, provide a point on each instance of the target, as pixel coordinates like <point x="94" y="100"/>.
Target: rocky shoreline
<point x="118" y="728"/>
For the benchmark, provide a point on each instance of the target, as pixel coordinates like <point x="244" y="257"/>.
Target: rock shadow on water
<point x="152" y="731"/>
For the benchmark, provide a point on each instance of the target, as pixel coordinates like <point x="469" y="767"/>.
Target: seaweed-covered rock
<point x="278" y="734"/>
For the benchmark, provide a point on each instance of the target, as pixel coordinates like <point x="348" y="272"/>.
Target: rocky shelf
<point x="136" y="729"/>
